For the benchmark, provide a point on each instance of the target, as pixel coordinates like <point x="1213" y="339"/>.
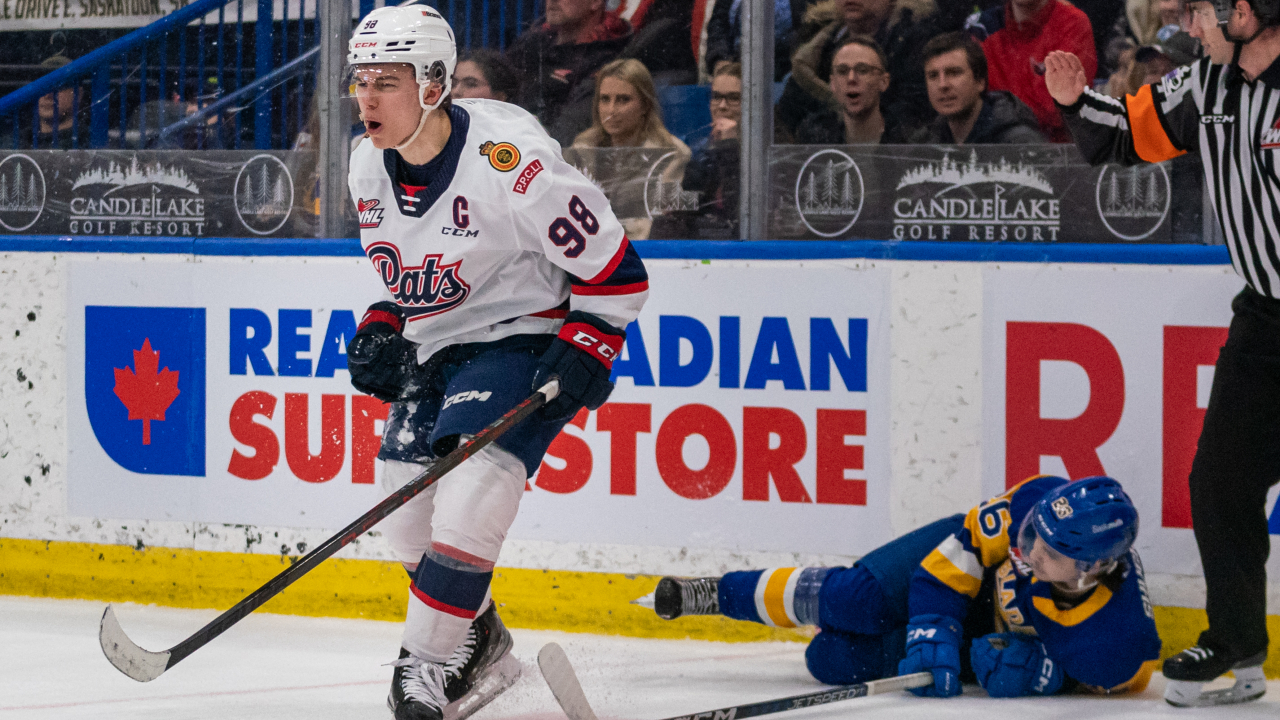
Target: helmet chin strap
<point x="426" y="110"/>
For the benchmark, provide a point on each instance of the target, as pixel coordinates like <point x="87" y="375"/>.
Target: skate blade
<point x="645" y="602"/>
<point x="497" y="679"/>
<point x="1251" y="684"/>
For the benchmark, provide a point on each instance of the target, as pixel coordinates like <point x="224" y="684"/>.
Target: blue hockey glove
<point x="380" y="360"/>
<point x="1014" y="665"/>
<point x="582" y="356"/>
<point x="933" y="645"/>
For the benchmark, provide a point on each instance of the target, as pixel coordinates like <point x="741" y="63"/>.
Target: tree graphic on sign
<point x="145" y="392"/>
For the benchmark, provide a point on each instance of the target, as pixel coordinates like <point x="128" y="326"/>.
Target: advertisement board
<point x="1106" y="370"/>
<point x="751" y="409"/>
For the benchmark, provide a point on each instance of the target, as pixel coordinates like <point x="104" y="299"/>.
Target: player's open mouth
<point x="372" y="125"/>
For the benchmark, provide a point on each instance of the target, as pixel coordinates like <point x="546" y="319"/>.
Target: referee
<point x="1228" y="110"/>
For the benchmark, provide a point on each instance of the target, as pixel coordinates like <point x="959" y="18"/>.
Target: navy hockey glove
<point x="933" y="645"/>
<point x="582" y="355"/>
<point x="380" y="360"/>
<point x="1013" y="665"/>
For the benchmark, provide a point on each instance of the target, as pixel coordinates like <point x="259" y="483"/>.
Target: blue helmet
<point x="1088" y="520"/>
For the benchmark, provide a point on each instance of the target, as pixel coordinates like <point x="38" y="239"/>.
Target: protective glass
<point x="365" y="81"/>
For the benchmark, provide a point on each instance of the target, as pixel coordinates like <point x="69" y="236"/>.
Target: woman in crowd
<point x="625" y="114"/>
<point x="485" y="74"/>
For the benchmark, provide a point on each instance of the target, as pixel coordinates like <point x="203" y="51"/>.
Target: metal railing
<point x="200" y="79"/>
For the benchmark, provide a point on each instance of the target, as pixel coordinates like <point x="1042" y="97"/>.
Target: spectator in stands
<point x="625" y="113"/>
<point x="485" y="74"/>
<point x="858" y="82"/>
<point x="1149" y="63"/>
<point x="1160" y="58"/>
<point x="713" y="170"/>
<point x="724" y="33"/>
<point x="899" y="27"/>
<point x="1016" y="37"/>
<point x="664" y="39"/>
<point x="558" y="58"/>
<point x="955" y="70"/>
<point x="57" y="113"/>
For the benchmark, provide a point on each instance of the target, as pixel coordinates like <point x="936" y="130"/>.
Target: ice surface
<point x="283" y="667"/>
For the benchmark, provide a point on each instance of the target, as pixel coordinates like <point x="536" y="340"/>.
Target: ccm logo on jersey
<point x="428" y="289"/>
<point x="1216" y="119"/>
<point x="461" y="220"/>
<point x="466" y="396"/>
<point x="589" y="339"/>
<point x="370" y="213"/>
<point x="527" y="175"/>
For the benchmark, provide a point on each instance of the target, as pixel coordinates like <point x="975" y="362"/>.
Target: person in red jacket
<point x="1016" y="38"/>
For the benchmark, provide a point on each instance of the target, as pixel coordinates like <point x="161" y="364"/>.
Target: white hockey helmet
<point x="413" y="34"/>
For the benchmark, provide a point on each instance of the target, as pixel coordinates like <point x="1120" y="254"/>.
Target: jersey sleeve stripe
<point x="613" y="263"/>
<point x="1150" y="140"/>
<point x="771" y="597"/>
<point x="630" y="289"/>
<point x="951" y="565"/>
<point x="1076" y="615"/>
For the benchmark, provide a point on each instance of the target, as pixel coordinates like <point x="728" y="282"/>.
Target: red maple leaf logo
<point x="144" y="391"/>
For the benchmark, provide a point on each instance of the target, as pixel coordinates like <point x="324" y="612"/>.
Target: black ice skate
<point x="481" y="668"/>
<point x="417" y="689"/>
<point x="1192" y="668"/>
<point x="675" y="597"/>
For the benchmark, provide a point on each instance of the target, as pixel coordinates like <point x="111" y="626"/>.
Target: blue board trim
<point x="669" y="249"/>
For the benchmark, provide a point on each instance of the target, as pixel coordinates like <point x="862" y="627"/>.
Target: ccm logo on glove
<point x="587" y="338"/>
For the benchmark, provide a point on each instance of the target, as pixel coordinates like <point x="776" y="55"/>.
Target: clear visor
<point x="1053" y="565"/>
<point x="365" y="81"/>
<point x="1197" y="14"/>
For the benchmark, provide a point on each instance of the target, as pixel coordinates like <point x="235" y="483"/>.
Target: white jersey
<point x="505" y="239"/>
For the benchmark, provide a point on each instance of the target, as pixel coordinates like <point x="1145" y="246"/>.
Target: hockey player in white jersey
<point x="503" y="266"/>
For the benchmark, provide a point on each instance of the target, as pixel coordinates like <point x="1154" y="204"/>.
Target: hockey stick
<point x="144" y="665"/>
<point x="563" y="681"/>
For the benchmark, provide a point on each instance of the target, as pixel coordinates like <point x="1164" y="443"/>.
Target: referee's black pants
<point x="1237" y="461"/>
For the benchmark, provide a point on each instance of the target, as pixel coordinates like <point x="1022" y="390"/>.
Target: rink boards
<point x="793" y="407"/>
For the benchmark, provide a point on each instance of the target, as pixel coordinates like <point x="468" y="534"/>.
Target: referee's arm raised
<point x="1159" y="122"/>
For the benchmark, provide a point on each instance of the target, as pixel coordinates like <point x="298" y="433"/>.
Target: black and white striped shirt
<point x="1236" y="126"/>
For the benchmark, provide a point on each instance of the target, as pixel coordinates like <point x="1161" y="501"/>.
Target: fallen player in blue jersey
<point x="1035" y="592"/>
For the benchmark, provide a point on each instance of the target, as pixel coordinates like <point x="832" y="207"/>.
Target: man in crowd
<point x="899" y="27"/>
<point x="858" y="82"/>
<point x="1016" y="38"/>
<point x="955" y="72"/>
<point x="558" y="60"/>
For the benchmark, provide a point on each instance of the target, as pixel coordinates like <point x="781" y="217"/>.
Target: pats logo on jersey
<point x="424" y="290"/>
<point x="503" y="156"/>
<point x="370" y="213"/>
<point x="144" y="371"/>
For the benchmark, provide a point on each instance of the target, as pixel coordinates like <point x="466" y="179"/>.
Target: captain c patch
<point x="503" y="156"/>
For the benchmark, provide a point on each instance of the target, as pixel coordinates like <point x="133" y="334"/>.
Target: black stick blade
<point x="141" y="665"/>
